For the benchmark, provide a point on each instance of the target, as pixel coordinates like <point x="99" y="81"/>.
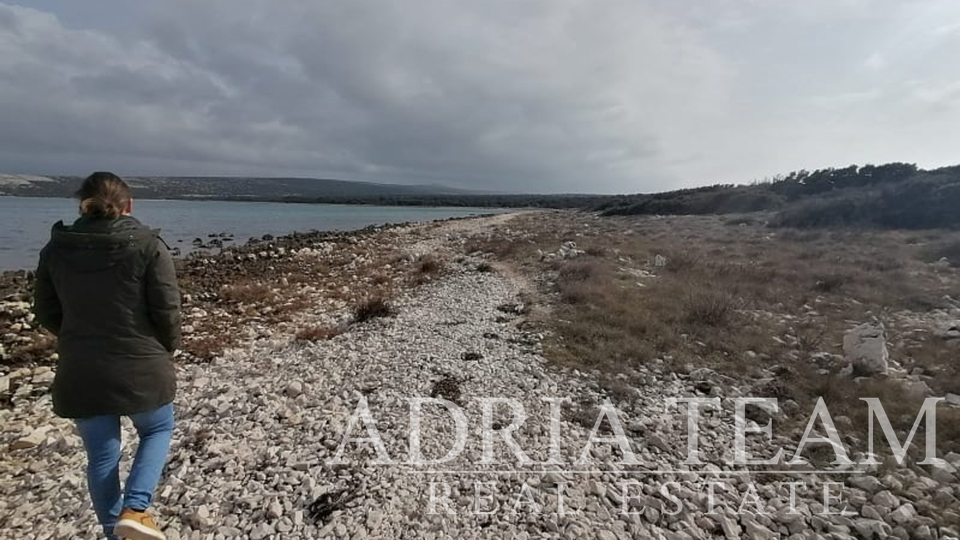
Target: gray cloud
<point x="529" y="95"/>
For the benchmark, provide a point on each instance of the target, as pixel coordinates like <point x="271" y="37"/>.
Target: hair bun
<point x="103" y="194"/>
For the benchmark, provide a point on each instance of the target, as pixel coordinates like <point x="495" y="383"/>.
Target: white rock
<point x="43" y="379"/>
<point x="34" y="439"/>
<point x="871" y="528"/>
<point x="294" y="389"/>
<point x="866" y="482"/>
<point x="885" y="499"/>
<point x="950" y="330"/>
<point x="731" y="530"/>
<point x="261" y="531"/>
<point x="200" y="519"/>
<point x="374" y="518"/>
<point x="275" y="510"/>
<point x="756" y="531"/>
<point x="866" y="348"/>
<point x="869" y="512"/>
<point x="916" y="389"/>
<point x="903" y="514"/>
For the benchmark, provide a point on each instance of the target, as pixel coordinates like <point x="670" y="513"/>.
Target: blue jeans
<point x="101" y="440"/>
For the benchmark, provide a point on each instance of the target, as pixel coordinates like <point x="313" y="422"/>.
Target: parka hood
<point x="93" y="244"/>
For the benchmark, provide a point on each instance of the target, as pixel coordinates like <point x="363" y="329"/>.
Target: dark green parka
<point x="108" y="290"/>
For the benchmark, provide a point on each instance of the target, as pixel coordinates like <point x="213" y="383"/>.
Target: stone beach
<point x="260" y="421"/>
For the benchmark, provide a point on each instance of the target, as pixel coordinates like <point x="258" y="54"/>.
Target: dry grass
<point x="948" y="249"/>
<point x="428" y="264"/>
<point x="495" y="244"/>
<point x="782" y="295"/>
<point x="247" y="293"/>
<point x="842" y="396"/>
<point x="706" y="307"/>
<point x="426" y="268"/>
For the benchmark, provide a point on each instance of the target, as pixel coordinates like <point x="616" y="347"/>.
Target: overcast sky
<point x="601" y="96"/>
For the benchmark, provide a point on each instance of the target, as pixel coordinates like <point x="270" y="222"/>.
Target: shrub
<point x="371" y="308"/>
<point x="679" y="262"/>
<point x="578" y="271"/>
<point x="830" y="283"/>
<point x="484" y="267"/>
<point x="428" y="264"/>
<point x="708" y="308"/>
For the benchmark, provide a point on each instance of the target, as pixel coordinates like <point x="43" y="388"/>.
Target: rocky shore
<point x="268" y="286"/>
<point x="262" y="413"/>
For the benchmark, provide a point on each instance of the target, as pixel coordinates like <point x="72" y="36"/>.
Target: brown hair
<point x="103" y="194"/>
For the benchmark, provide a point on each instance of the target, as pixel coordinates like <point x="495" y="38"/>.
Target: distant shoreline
<point x="425" y="201"/>
<point x="277" y="201"/>
<point x="208" y="226"/>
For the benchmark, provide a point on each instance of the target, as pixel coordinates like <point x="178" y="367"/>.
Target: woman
<point x="106" y="287"/>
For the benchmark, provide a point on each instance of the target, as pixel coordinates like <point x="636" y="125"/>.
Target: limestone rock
<point x="903" y="514"/>
<point x="885" y="499"/>
<point x="865" y="347"/>
<point x="34" y="439"/>
<point x="294" y="389"/>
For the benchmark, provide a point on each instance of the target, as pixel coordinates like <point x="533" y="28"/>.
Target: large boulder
<point x="950" y="332"/>
<point x="865" y="348"/>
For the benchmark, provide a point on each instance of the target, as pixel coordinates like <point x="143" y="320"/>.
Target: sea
<point x="25" y="221"/>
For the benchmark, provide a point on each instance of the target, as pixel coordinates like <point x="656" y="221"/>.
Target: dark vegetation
<point x="371" y="308"/>
<point x="474" y="201"/>
<point x="895" y="195"/>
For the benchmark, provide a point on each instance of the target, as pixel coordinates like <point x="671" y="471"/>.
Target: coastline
<point x="187" y="225"/>
<point x="471" y="312"/>
<point x="267" y="282"/>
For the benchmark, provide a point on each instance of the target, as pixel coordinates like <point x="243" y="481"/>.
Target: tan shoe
<point x="136" y="525"/>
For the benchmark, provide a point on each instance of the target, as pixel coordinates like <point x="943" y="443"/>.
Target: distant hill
<point x="304" y="190"/>
<point x="895" y="195"/>
<point x="222" y="187"/>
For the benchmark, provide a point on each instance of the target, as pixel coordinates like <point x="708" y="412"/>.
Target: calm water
<point x="25" y="221"/>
